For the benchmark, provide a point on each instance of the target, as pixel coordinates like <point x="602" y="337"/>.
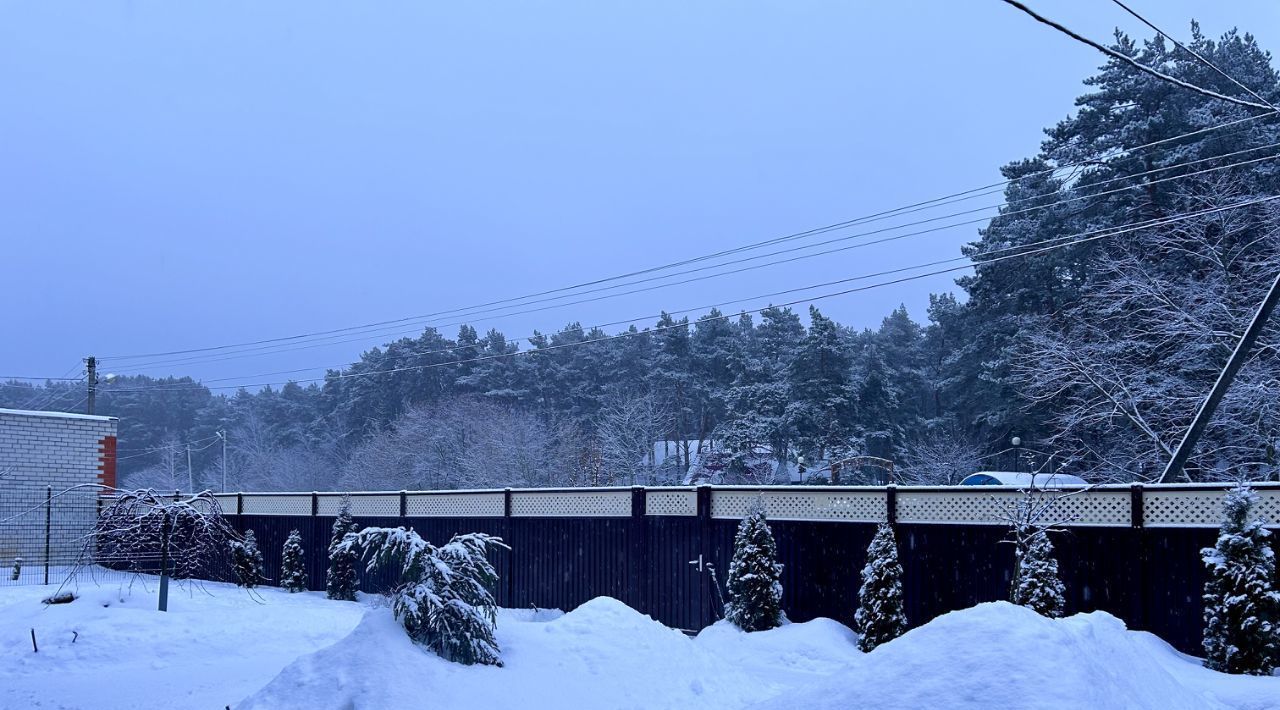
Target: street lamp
<point x="1016" y="442"/>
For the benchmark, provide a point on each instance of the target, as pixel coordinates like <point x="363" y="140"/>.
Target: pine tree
<point x="340" y="583"/>
<point x="1035" y="579"/>
<point x="445" y="599"/>
<point x="1241" y="602"/>
<point x="880" y="616"/>
<point x="246" y="560"/>
<point x="293" y="570"/>
<point x="755" y="576"/>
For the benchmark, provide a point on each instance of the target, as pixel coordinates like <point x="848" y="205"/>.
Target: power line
<point x="1193" y="53"/>
<point x="1074" y="240"/>
<point x="1086" y="196"/>
<point x="1135" y="63"/>
<point x="926" y="204"/>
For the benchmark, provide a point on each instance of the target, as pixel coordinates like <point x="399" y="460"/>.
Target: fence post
<point x="48" y="525"/>
<point x="404" y="508"/>
<point x="704" y="554"/>
<point x="315" y="504"/>
<point x="1137" y="523"/>
<point x="507" y="535"/>
<point x="638" y="554"/>
<point x="239" y="504"/>
<point x="891" y="504"/>
<point x="164" y="563"/>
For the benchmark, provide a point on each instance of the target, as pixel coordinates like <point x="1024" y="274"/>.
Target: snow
<point x="280" y="650"/>
<point x="211" y="648"/>
<point x="998" y="655"/>
<point x="57" y="415"/>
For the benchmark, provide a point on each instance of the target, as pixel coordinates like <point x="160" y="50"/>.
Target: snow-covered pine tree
<point x="755" y="576"/>
<point x="17" y="569"/>
<point x="445" y="596"/>
<point x="293" y="568"/>
<point x="1241" y="602"/>
<point x="340" y="583"/>
<point x="246" y="560"/>
<point x="881" y="616"/>
<point x="1036" y="584"/>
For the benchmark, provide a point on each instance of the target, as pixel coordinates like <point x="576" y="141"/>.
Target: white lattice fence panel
<point x="226" y="501"/>
<point x="683" y="503"/>
<point x="851" y="505"/>
<point x="290" y="504"/>
<point x="1183" y="508"/>
<point x="584" y="503"/>
<point x="981" y="505"/>
<point x="456" y="505"/>
<point x="382" y="506"/>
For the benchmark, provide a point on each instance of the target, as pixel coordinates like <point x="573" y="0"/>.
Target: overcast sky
<point x="180" y="175"/>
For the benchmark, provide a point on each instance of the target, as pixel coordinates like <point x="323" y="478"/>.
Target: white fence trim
<point x="1165" y="505"/>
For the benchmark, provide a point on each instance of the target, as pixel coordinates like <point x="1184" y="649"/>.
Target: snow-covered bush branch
<point x="445" y="596"/>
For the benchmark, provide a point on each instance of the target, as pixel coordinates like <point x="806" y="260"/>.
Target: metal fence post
<point x="704" y="617"/>
<point x="638" y="554"/>
<point x="1138" y="608"/>
<point x="507" y="531"/>
<point x="48" y="525"/>
<point x="164" y="563"/>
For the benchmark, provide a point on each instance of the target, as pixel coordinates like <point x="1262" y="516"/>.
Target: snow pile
<point x="1001" y="655"/>
<point x="601" y="655"/>
<point x="110" y="648"/>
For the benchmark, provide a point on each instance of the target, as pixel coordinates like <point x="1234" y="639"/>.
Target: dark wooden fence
<point x="1130" y="551"/>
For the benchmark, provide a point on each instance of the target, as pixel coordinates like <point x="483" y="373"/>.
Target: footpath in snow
<point x="277" y="650"/>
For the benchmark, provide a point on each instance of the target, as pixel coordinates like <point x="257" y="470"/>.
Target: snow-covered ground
<point x="278" y="650"/>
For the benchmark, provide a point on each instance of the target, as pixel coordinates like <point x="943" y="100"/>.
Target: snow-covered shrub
<point x="445" y="596"/>
<point x="246" y="561"/>
<point x="293" y="568"/>
<point x="17" y="569"/>
<point x="755" y="576"/>
<point x="138" y="528"/>
<point x="1035" y="579"/>
<point x="881" y="615"/>
<point x="1241" y="602"/>
<point x="1032" y="516"/>
<point x="340" y="582"/>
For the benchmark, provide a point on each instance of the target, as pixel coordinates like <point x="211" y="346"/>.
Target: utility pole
<point x="91" y="364"/>
<point x="222" y="434"/>
<point x="191" y="482"/>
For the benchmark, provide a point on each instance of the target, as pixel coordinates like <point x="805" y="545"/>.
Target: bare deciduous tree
<point x="1125" y="370"/>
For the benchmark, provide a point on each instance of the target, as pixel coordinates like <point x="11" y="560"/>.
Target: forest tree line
<point x="1095" y="353"/>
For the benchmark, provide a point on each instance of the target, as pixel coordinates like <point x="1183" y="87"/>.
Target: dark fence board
<point x="1151" y="578"/>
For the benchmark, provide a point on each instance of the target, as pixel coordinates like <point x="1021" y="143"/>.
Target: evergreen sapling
<point x="755" y="576"/>
<point x="881" y="615"/>
<point x="246" y="560"/>
<point x="1036" y="584"/>
<point x="293" y="571"/>
<point x="445" y="596"/>
<point x="1241" y="602"/>
<point x="340" y="583"/>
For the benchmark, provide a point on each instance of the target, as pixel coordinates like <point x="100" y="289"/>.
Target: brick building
<point x="43" y="452"/>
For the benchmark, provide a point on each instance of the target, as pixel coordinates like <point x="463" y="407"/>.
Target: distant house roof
<point x="57" y="415"/>
<point x="1010" y="478"/>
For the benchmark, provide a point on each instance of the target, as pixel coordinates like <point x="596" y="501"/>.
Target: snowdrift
<point x="601" y="655"/>
<point x="998" y="655"/>
<point x="606" y="655"/>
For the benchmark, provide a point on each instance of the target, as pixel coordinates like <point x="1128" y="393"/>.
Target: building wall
<point x="43" y="451"/>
